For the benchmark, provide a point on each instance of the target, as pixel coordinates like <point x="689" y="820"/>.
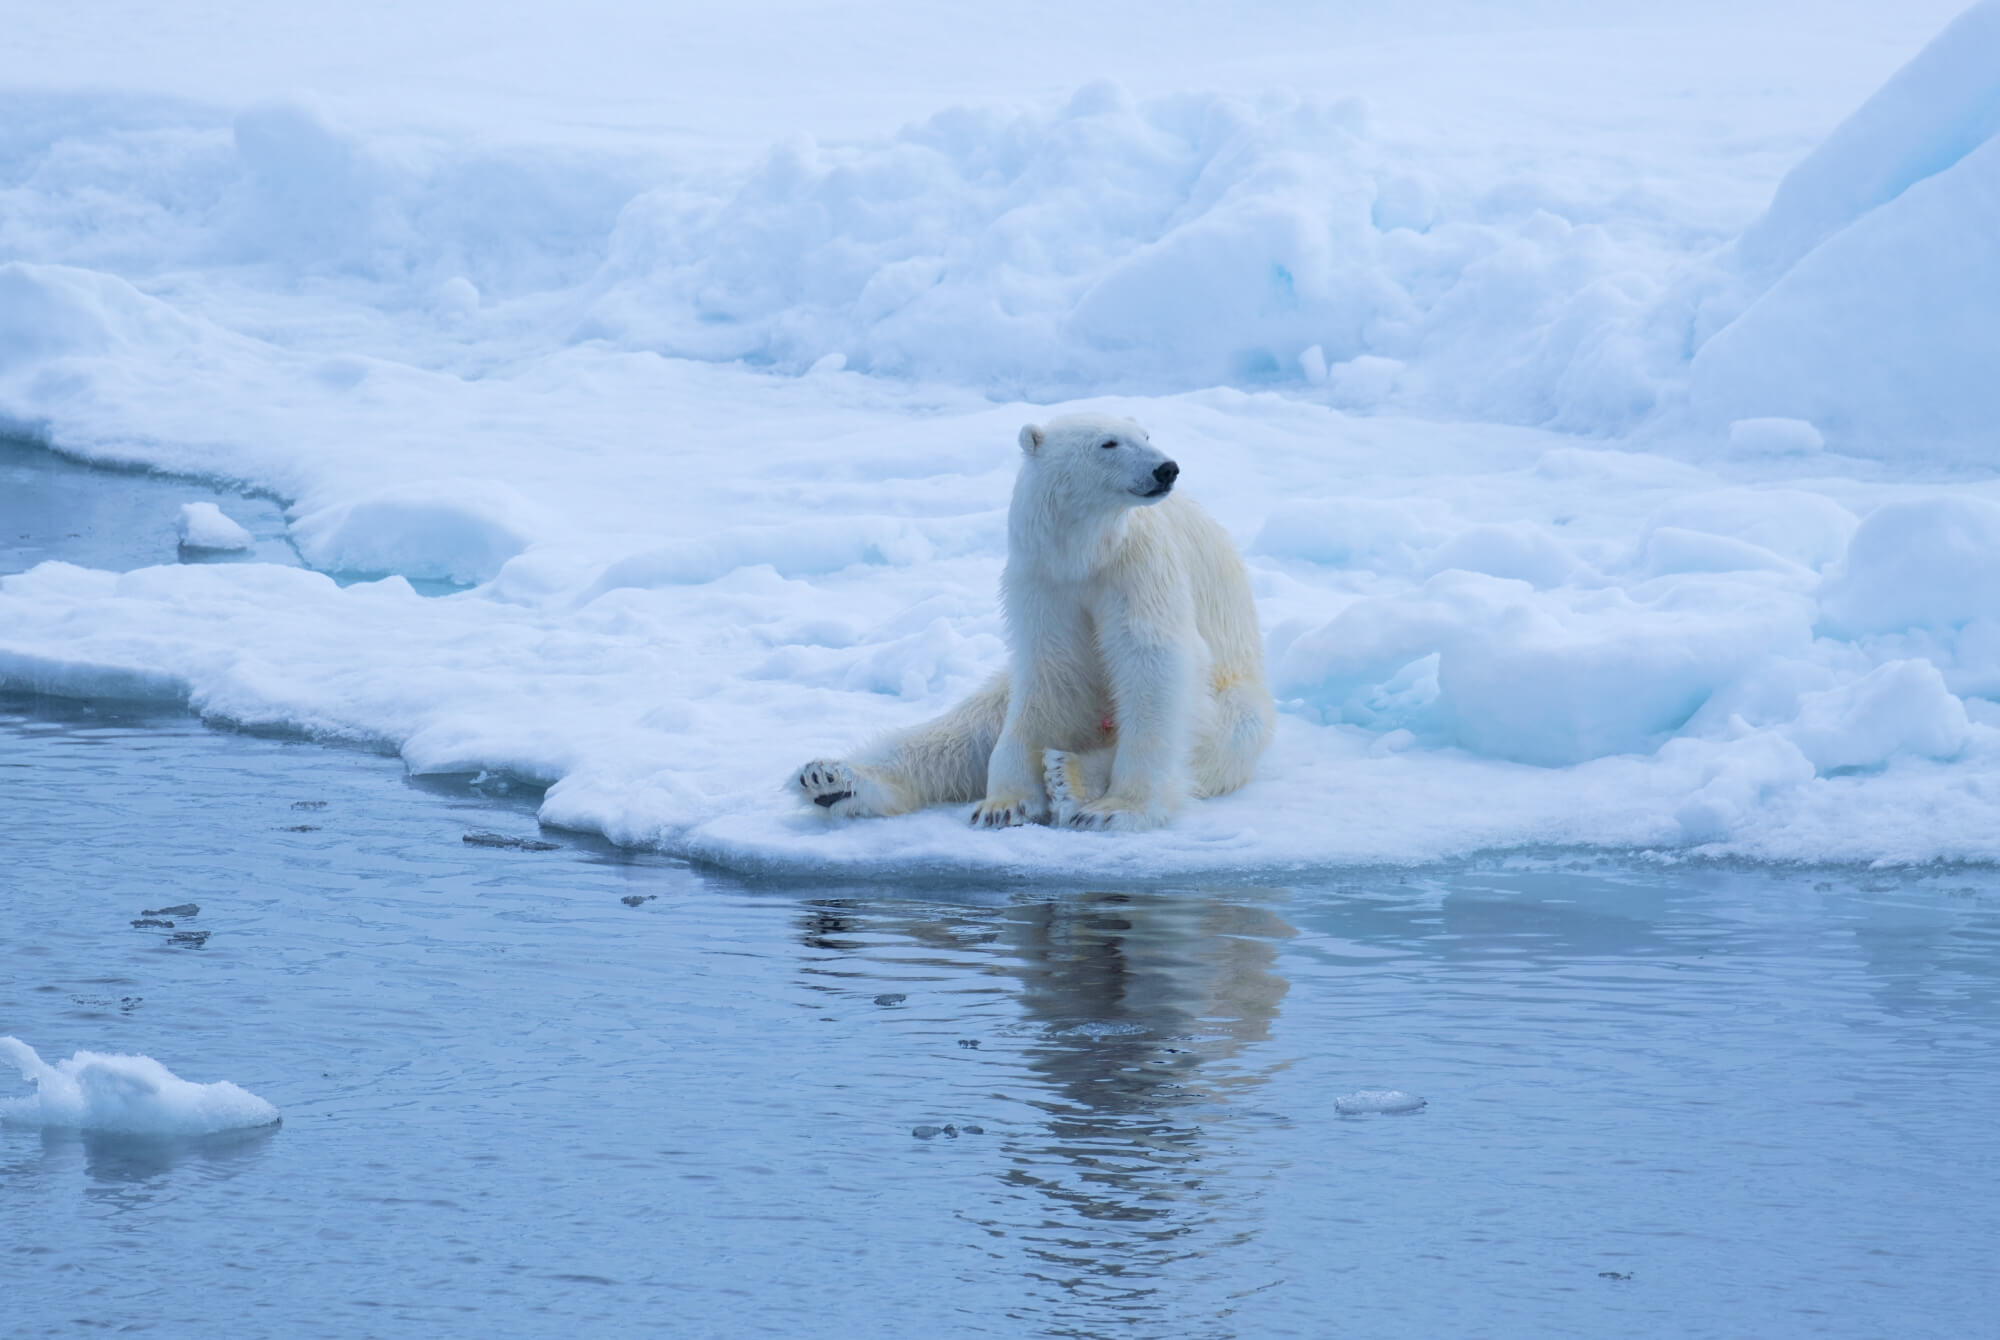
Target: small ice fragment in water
<point x="203" y="526"/>
<point x="891" y="998"/>
<point x="177" y="910"/>
<point x="969" y="1043"/>
<point x="1377" y="1100"/>
<point x="973" y="1130"/>
<point x="636" y="899"/>
<point x="192" y="939"/>
<point x="926" y="1132"/>
<point x="309" y="804"/>
<point x="134" y="1095"/>
<point x="143" y="922"/>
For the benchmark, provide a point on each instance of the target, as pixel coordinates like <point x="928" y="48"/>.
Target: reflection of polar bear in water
<point x="1135" y="670"/>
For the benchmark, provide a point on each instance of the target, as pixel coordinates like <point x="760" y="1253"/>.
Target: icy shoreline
<point x="1572" y="520"/>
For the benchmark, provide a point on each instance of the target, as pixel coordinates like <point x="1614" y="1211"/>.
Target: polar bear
<point x="1135" y="673"/>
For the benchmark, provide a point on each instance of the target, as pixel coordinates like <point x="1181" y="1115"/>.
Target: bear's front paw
<point x="826" y="783"/>
<point x="1007" y="813"/>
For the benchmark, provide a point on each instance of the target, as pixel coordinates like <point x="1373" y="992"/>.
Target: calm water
<point x="532" y="1093"/>
<point x="516" y="1104"/>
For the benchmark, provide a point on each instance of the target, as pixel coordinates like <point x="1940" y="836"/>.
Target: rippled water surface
<point x="575" y="1091"/>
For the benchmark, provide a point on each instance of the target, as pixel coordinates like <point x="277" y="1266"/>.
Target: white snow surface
<point x="125" y="1095"/>
<point x="203" y="525"/>
<point x="1612" y="471"/>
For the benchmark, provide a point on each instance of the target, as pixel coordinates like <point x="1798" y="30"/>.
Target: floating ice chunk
<point x="132" y="1095"/>
<point x="1775" y="437"/>
<point x="1368" y="1101"/>
<point x="203" y="525"/>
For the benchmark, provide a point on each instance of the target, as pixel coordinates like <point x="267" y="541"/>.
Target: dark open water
<point x="581" y="1092"/>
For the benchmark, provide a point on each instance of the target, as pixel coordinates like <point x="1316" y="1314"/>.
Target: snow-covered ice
<point x="1627" y="487"/>
<point x="203" y="525"/>
<point x="126" y="1095"/>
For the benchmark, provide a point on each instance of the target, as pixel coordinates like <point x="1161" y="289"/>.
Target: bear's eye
<point x="1108" y="443"/>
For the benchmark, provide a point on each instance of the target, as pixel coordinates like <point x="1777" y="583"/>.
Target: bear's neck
<point x="1056" y="534"/>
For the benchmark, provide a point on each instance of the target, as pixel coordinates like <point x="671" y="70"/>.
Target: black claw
<point x="831" y="798"/>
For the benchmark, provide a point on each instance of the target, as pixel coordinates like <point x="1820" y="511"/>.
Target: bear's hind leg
<point x="1075" y="780"/>
<point x="940" y="762"/>
<point x="847" y="791"/>
<point x="1228" y="746"/>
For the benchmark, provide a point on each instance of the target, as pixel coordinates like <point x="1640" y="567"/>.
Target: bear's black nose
<point x="1167" y="474"/>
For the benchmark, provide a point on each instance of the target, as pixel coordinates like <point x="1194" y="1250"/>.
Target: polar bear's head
<point x="1097" y="457"/>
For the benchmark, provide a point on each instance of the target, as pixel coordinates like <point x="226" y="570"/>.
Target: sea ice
<point x="128" y="1095"/>
<point x="1584" y="502"/>
<point x="1367" y="1101"/>
<point x="202" y="525"/>
<point x="1775" y="436"/>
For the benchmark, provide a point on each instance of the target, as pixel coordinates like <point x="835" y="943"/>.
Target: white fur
<point x="1126" y="604"/>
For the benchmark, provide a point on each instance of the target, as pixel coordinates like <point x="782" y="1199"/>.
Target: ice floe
<point x="126" y="1095"/>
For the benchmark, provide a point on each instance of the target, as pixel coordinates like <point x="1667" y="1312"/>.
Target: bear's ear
<point x="1031" y="437"/>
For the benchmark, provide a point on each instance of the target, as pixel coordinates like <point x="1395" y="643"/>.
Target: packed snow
<point x="125" y="1095"/>
<point x="1634" y="490"/>
<point x="204" y="526"/>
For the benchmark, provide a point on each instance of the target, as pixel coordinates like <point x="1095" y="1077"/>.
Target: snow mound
<point x="52" y="312"/>
<point x="1795" y="527"/>
<point x="1931" y="113"/>
<point x="129" y="1095"/>
<point x="1925" y="562"/>
<point x="1873" y="269"/>
<point x="1355" y="532"/>
<point x="460" y="531"/>
<point x="202" y="525"/>
<point x="1114" y="243"/>
<point x="1902" y="707"/>
<point x="1545" y="677"/>
<point x="1775" y="437"/>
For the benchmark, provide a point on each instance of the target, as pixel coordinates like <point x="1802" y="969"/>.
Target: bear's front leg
<point x="1153" y="680"/>
<point x="1014" y="791"/>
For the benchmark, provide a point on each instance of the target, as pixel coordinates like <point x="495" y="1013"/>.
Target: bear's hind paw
<point x="1059" y="774"/>
<point x="826" y="783"/>
<point x="1104" y="816"/>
